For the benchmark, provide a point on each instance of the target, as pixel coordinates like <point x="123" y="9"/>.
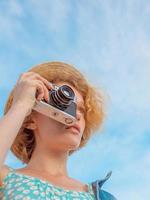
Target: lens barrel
<point x="62" y="97"/>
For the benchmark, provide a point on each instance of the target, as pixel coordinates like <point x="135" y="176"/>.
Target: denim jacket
<point x="99" y="193"/>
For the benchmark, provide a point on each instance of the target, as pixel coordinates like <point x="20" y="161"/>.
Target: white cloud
<point x="111" y="46"/>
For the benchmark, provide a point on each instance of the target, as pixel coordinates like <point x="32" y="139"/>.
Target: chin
<point x="73" y="147"/>
<point x="73" y="144"/>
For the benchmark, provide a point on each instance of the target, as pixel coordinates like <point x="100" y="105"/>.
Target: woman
<point x="43" y="143"/>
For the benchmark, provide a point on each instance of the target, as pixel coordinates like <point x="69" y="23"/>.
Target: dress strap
<point x="10" y="168"/>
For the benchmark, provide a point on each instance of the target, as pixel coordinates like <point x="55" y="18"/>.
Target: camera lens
<point x="62" y="97"/>
<point x="66" y="92"/>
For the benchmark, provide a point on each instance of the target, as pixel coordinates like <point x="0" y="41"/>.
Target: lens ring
<point x="61" y="94"/>
<point x="62" y="97"/>
<point x="67" y="92"/>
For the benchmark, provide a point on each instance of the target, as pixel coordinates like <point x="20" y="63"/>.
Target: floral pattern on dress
<point x="17" y="186"/>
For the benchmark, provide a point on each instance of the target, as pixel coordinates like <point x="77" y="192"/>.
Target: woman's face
<point x="54" y="135"/>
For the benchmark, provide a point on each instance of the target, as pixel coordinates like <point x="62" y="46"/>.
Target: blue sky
<point x="109" y="42"/>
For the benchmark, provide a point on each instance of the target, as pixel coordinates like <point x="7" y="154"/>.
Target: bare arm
<point x="23" y="101"/>
<point x="9" y="127"/>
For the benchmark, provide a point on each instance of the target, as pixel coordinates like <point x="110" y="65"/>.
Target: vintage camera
<point x="61" y="106"/>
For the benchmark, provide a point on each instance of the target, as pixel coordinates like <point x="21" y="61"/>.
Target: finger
<point x="23" y="76"/>
<point x="46" y="82"/>
<point x="39" y="91"/>
<point x="31" y="76"/>
<point x="26" y="74"/>
<point x="44" y="93"/>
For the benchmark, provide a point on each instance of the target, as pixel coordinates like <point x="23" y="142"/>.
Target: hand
<point x="29" y="87"/>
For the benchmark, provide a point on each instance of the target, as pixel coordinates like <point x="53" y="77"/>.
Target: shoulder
<point x="106" y="195"/>
<point x="3" y="172"/>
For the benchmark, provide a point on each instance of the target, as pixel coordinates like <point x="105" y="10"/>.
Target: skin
<point x="53" y="143"/>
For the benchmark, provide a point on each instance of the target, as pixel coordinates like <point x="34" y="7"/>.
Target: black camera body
<point x="61" y="106"/>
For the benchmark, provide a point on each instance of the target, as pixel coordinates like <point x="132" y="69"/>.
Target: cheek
<point x="53" y="133"/>
<point x="49" y="127"/>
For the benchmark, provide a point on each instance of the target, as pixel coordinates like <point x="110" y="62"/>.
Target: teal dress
<point x="17" y="186"/>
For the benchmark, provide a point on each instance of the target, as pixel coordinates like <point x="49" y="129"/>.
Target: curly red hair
<point x="24" y="143"/>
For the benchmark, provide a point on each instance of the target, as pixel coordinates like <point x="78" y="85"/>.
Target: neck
<point x="50" y="161"/>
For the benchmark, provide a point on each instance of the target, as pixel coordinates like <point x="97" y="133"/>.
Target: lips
<point x="74" y="127"/>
